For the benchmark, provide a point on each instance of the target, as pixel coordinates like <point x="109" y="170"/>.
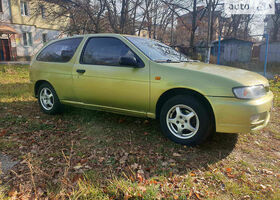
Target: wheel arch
<point x="37" y="86"/>
<point x="184" y="91"/>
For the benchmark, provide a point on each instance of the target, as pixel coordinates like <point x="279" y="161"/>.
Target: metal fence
<point x="262" y="57"/>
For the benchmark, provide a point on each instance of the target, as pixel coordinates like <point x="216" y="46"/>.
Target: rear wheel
<point x="185" y="120"/>
<point x="48" y="99"/>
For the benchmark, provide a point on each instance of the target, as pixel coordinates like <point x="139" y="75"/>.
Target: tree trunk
<point x="194" y="16"/>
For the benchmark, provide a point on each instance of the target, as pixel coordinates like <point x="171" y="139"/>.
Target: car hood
<point x="240" y="76"/>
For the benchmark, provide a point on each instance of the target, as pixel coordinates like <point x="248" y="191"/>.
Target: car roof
<point x="90" y="35"/>
<point x="96" y="34"/>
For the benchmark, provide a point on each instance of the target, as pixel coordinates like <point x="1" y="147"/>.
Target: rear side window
<point x="105" y="51"/>
<point x="60" y="51"/>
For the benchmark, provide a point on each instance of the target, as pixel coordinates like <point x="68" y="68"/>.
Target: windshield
<point x="157" y="51"/>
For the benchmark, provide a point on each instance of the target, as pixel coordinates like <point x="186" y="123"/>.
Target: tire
<point x="48" y="100"/>
<point x="185" y="120"/>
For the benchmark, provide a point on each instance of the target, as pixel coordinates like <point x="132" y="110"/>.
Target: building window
<point x="1" y="6"/>
<point x="27" y="39"/>
<point x="44" y="37"/>
<point x="24" y="8"/>
<point x="43" y="11"/>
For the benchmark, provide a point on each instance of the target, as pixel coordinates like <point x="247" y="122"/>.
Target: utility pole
<point x="209" y="32"/>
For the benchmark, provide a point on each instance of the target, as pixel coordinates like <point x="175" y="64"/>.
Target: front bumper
<point x="239" y="116"/>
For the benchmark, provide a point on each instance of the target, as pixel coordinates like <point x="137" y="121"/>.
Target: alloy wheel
<point x="182" y="121"/>
<point x="46" y="98"/>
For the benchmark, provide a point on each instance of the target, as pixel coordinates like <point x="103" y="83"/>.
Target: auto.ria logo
<point x="245" y="7"/>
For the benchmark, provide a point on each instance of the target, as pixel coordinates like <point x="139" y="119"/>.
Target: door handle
<point x="80" y="71"/>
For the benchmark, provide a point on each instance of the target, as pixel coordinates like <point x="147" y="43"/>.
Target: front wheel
<point x="185" y="120"/>
<point x="48" y="99"/>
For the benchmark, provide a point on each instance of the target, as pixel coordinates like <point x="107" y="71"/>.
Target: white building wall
<point x="37" y="34"/>
<point x="37" y="39"/>
<point x="5" y="16"/>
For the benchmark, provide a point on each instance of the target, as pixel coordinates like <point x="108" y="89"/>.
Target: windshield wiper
<point x="168" y="61"/>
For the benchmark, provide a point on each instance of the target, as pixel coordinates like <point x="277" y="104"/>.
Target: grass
<point x="84" y="154"/>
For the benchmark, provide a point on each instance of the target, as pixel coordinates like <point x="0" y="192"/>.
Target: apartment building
<point x="22" y="32"/>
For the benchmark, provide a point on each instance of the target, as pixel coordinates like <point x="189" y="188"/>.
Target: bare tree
<point x="247" y="19"/>
<point x="215" y="12"/>
<point x="82" y="16"/>
<point x="276" y="22"/>
<point x="190" y="7"/>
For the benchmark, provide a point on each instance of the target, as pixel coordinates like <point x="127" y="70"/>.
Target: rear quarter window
<point x="60" y="51"/>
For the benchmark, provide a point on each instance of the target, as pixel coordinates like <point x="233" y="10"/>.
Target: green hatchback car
<point x="145" y="78"/>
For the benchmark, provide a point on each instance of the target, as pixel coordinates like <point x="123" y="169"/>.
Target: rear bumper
<point x="238" y="116"/>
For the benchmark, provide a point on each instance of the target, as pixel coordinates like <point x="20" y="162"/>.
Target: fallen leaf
<point x="3" y="132"/>
<point x="146" y="122"/>
<point x="197" y="195"/>
<point x="228" y="170"/>
<point x="176" y="154"/>
<point x="190" y="193"/>
<point x="267" y="172"/>
<point x="100" y="160"/>
<point x="77" y="177"/>
<point x="134" y="166"/>
<point x="83" y="161"/>
<point x="172" y="164"/>
<point x="246" y="197"/>
<point x="230" y="175"/>
<point x="192" y="174"/>
<point x="12" y="192"/>
<point x="263" y="186"/>
<point x="127" y="196"/>
<point x="140" y="178"/>
<point x="142" y="188"/>
<point x="79" y="166"/>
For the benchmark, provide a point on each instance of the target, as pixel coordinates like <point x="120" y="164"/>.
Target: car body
<point x="142" y="90"/>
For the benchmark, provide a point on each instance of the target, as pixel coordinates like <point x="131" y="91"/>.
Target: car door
<point x="100" y="80"/>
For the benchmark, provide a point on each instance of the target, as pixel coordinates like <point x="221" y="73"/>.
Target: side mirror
<point x="129" y="61"/>
<point x="66" y="55"/>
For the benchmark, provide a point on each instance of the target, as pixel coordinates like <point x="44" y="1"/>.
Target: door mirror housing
<point x="129" y="61"/>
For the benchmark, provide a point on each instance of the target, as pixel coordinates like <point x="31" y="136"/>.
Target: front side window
<point x="60" y="51"/>
<point x="105" y="51"/>
<point x="24" y="8"/>
<point x="27" y="39"/>
<point x="156" y="50"/>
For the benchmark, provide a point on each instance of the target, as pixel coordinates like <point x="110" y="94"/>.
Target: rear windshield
<point x="60" y="51"/>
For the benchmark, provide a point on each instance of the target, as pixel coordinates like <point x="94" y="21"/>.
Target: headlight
<point x="251" y="92"/>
